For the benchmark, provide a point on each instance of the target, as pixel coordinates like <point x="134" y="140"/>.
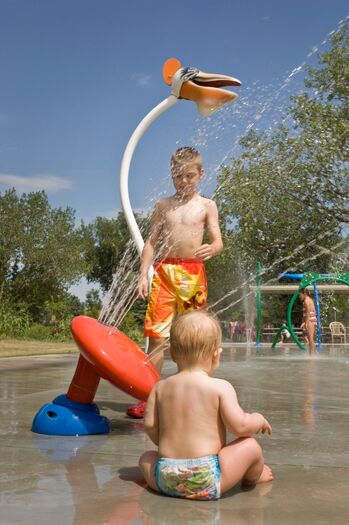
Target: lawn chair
<point x="338" y="330"/>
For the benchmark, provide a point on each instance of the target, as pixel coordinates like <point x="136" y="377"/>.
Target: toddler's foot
<point x="136" y="411"/>
<point x="267" y="475"/>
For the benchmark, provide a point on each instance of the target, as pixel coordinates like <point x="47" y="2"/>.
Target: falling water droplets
<point x="261" y="107"/>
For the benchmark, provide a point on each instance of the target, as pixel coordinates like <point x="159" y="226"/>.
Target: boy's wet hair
<point x="194" y="335"/>
<point x="184" y="155"/>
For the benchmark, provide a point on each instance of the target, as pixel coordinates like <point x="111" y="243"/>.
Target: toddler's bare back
<point x="188" y="409"/>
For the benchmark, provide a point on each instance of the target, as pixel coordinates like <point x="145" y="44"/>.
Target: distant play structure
<point x="309" y="279"/>
<point x="105" y="351"/>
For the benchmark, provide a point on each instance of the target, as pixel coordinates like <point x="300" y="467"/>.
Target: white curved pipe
<point x="124" y="171"/>
<point x="125" y="167"/>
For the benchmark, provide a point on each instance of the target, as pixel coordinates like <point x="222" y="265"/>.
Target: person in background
<point x="233" y="325"/>
<point x="309" y="318"/>
<point x="285" y="334"/>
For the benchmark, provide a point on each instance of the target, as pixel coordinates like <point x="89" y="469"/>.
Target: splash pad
<point x="105" y="351"/>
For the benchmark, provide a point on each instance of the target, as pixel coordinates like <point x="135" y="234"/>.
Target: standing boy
<point x="176" y="240"/>
<point x="188" y="415"/>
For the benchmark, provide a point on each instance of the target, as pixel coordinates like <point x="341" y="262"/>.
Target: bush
<point x="61" y="330"/>
<point x="57" y="332"/>
<point x="38" y="331"/>
<point x="14" y="320"/>
<point x="132" y="328"/>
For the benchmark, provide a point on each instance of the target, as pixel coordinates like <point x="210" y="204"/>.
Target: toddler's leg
<point x="243" y="460"/>
<point x="147" y="464"/>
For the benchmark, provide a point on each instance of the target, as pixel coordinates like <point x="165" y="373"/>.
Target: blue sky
<point x="77" y="76"/>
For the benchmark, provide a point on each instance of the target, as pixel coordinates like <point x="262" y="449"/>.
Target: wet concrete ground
<point x="94" y="480"/>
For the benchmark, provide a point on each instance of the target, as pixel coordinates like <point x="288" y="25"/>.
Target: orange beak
<point x="202" y="88"/>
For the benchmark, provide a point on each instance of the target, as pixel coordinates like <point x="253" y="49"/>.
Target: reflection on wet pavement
<point x="94" y="480"/>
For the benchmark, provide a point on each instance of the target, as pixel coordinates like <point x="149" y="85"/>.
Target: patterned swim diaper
<point x="197" y="478"/>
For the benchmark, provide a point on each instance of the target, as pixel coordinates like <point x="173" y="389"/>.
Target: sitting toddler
<point x="187" y="417"/>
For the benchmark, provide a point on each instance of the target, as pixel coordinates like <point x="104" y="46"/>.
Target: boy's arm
<point x="236" y="421"/>
<point x="147" y="256"/>
<point x="206" y="251"/>
<point x="151" y="417"/>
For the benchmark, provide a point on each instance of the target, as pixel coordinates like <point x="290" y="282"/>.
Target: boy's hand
<point x="142" y="287"/>
<point x="266" y="427"/>
<point x="205" y="252"/>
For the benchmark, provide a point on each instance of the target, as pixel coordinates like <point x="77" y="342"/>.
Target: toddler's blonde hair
<point x="194" y="335"/>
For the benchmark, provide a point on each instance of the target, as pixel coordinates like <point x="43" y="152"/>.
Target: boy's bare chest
<point x="187" y="216"/>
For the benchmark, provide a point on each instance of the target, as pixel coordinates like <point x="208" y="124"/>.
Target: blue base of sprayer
<point x="64" y="417"/>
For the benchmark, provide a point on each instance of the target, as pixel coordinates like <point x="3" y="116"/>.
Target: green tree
<point x="322" y="115"/>
<point x="108" y="241"/>
<point x="285" y="199"/>
<point x="40" y="250"/>
<point x="62" y="308"/>
<point x="92" y="303"/>
<point x="291" y="188"/>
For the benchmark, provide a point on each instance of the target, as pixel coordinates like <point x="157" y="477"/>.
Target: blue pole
<point x="317" y="309"/>
<point x="297" y="276"/>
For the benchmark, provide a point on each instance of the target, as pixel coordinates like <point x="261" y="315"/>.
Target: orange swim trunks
<point x="178" y="286"/>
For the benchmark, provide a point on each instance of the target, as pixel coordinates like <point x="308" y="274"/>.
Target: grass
<point x="19" y="347"/>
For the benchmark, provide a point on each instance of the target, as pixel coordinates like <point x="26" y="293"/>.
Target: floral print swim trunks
<point x="178" y="286"/>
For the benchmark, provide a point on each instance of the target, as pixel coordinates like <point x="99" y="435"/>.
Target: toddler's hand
<point x="204" y="252"/>
<point x="266" y="427"/>
<point x="142" y="287"/>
